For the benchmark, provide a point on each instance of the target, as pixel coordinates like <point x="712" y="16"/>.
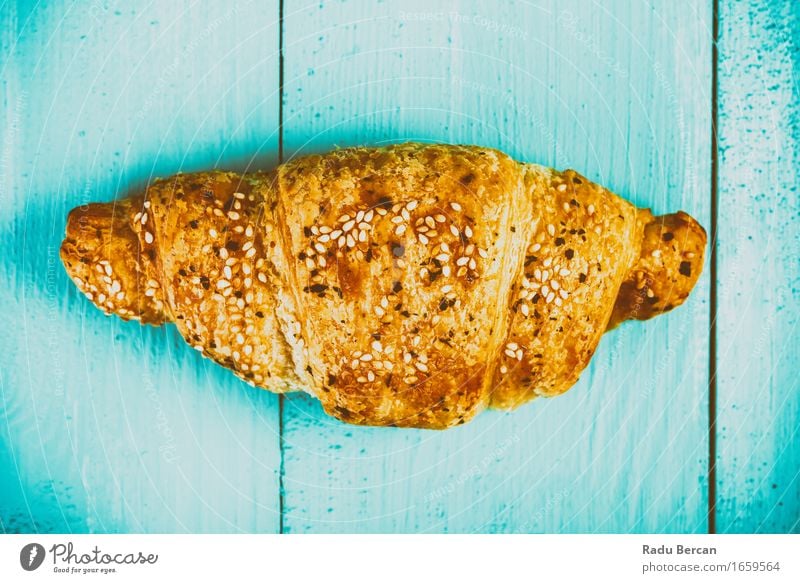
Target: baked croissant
<point x="412" y="285"/>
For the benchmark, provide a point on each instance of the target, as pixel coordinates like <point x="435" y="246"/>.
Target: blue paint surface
<point x="108" y="426"/>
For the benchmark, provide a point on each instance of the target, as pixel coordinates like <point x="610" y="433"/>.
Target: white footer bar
<point x="389" y="558"/>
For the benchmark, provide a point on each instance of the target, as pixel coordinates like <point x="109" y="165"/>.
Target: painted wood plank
<point x="619" y="91"/>
<point x="758" y="453"/>
<point x="107" y="426"/>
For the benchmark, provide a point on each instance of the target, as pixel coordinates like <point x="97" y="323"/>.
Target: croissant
<point x="411" y="285"/>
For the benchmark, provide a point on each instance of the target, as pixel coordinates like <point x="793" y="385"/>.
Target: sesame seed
<point x="416" y="341"/>
<point x="336" y="234"/>
<point x="148" y="237"/>
<point x="324" y="238"/>
<point x="350" y="241"/>
<point x="366" y="357"/>
<point x="384" y="302"/>
<point x="147" y="204"/>
<point x="430" y="222"/>
<point x="344" y="218"/>
<point x="462" y="261"/>
<point x="379" y="311"/>
<point x="149" y="292"/>
<point x="348" y="225"/>
<point x="503" y="369"/>
<point x="468" y="231"/>
<point x="524" y="309"/>
<point x="483" y="253"/>
<point x="551" y="297"/>
<point x="144" y="219"/>
<point x="446" y="288"/>
<point x="590" y="209"/>
<point x="564" y="272"/>
<point x="262" y="278"/>
<point x="359" y="216"/>
<point x="536" y="247"/>
<point x="510" y="353"/>
<point x="238" y="195"/>
<point x="250" y="252"/>
<point x="469" y="250"/>
<point x="324" y="229"/>
<point x="341" y="241"/>
<point x="407" y="357"/>
<point x="421" y="366"/>
<point x="554" y="284"/>
<point x="227" y="272"/>
<point x="442" y="257"/>
<point x="455" y="231"/>
<point x="222" y="284"/>
<point x="212" y="233"/>
<point x="455" y="206"/>
<point x="362" y="379"/>
<point x="423" y="239"/>
<point x="563" y="293"/>
<point x="446" y="271"/>
<point x="319" y="248"/>
<point x="545" y="290"/>
<point x="472" y="264"/>
<point x="551" y="230"/>
<point x="370" y="376"/>
<point x="233" y="215"/>
<point x="566" y="207"/>
<point x="562" y="187"/>
<point x="368" y="215"/>
<point x="412" y="205"/>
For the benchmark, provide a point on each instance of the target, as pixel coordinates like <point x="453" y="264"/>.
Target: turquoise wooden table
<point x="686" y="424"/>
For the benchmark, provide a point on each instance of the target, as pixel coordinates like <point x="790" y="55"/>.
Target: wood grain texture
<point x="758" y="462"/>
<point x="621" y="93"/>
<point x="107" y="426"/>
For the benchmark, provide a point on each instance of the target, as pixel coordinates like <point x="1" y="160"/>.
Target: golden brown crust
<point x="412" y="285"/>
